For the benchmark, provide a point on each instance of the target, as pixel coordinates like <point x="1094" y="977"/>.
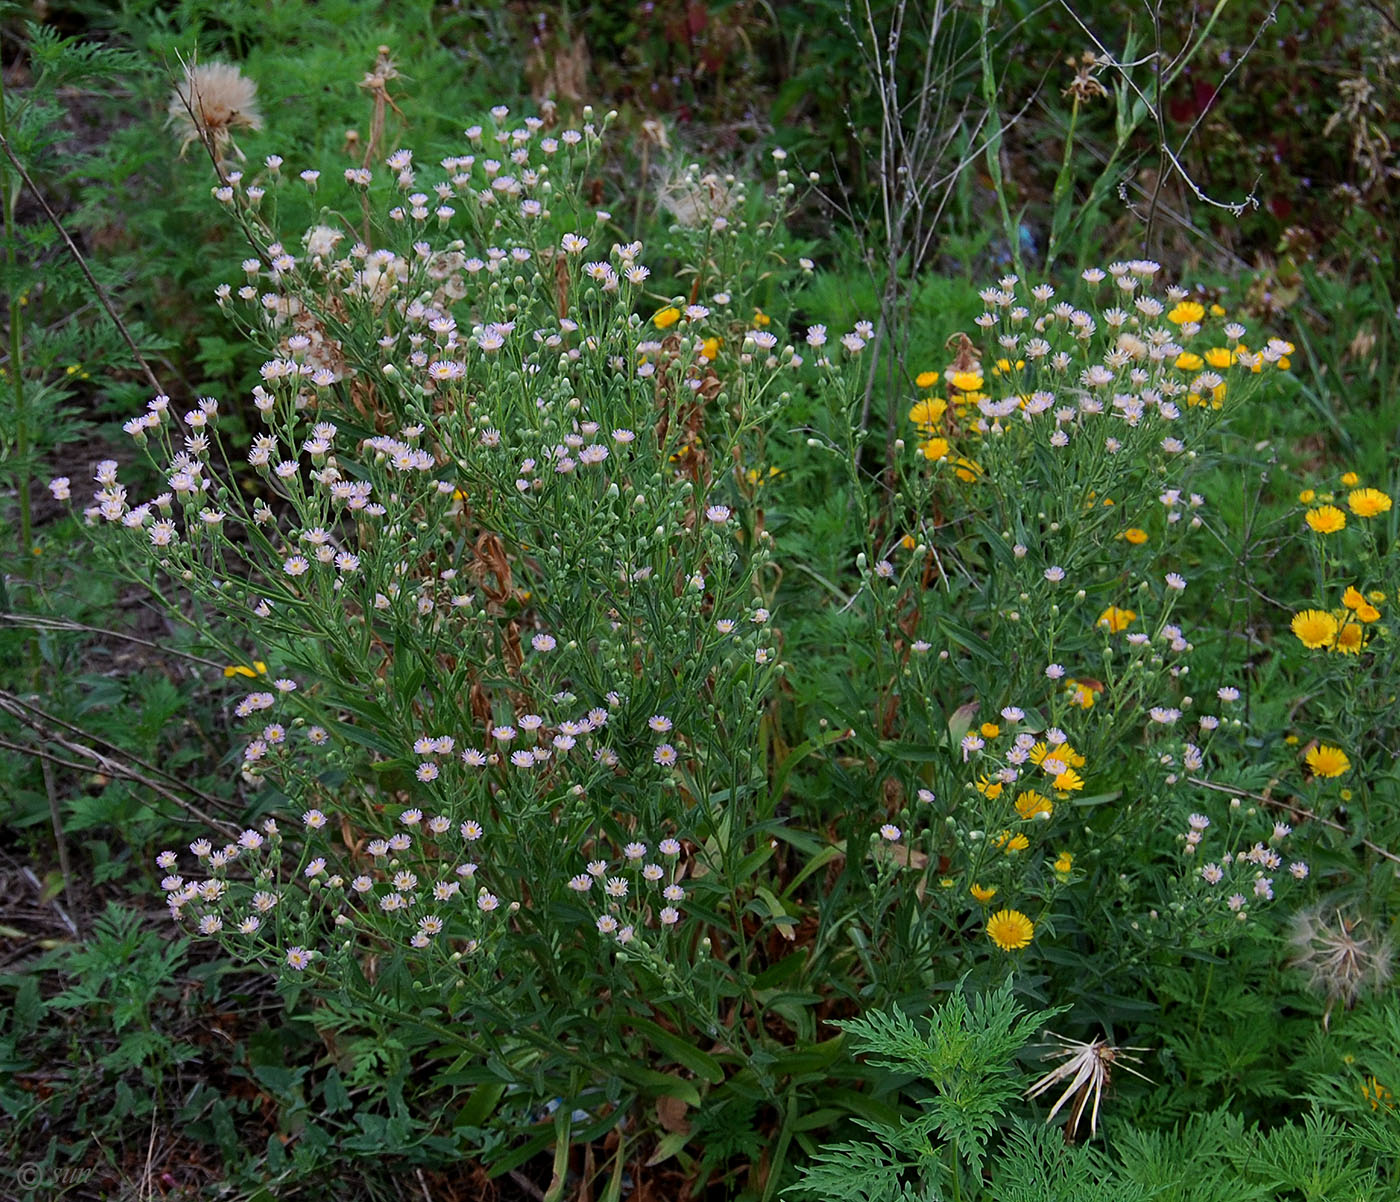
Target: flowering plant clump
<point x="496" y="577"/>
<point x="489" y="537"/>
<point x="1028" y="621"/>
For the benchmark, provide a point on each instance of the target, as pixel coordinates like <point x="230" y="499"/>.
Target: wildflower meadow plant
<point x="489" y="537"/>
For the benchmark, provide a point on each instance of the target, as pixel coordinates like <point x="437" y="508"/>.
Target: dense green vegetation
<point x="699" y="599"/>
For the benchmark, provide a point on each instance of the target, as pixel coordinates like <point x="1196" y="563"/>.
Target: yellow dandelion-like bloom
<point x="210" y="102"/>
<point x="1114" y="619"/>
<point x="1352" y="598"/>
<point x="666" y="318"/>
<point x="1010" y="930"/>
<point x="927" y="414"/>
<point x="1350" y="479"/>
<point x="1368" y="502"/>
<point x="1080" y="694"/>
<point x="1031" y="804"/>
<point x="1009" y="843"/>
<point x="934" y="448"/>
<point x="1367" y="613"/>
<point x="1220" y="356"/>
<point x="1328" y="762"/>
<point x="710" y="347"/>
<point x="1069" y="781"/>
<point x="1307" y="496"/>
<point x="966" y="381"/>
<point x="1189" y="362"/>
<point x="990" y="730"/>
<point x="1326" y="519"/>
<point x="1063" y="865"/>
<point x="967" y="470"/>
<point x="989" y="788"/>
<point x="1186" y="311"/>
<point x="760" y="318"/>
<point x="1315" y="628"/>
<point x="926" y="379"/>
<point x="1377" y="1094"/>
<point x="1135" y="536"/>
<point x="1349" y="639"/>
<point x="258" y="669"/>
<point x="983" y="894"/>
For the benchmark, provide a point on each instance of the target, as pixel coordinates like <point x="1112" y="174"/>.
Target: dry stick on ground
<point x="113" y="768"/>
<point x="1296" y="811"/>
<point x="132" y="768"/>
<point x="77" y="256"/>
<point x="39" y="622"/>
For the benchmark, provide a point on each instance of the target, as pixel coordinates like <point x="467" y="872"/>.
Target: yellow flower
<point x="1063" y="865"/>
<point x="927" y="414"/>
<point x="1368" y="502"/>
<point x="1115" y="620"/>
<point x="1080" y="694"/>
<point x="990" y="730"/>
<point x="1307" y="496"/>
<point x="1326" y="519"/>
<point x="1135" y="536"/>
<point x="1189" y="362"/>
<point x="1350" y="480"/>
<point x="1186" y="311"/>
<point x="760" y="318"/>
<point x="1352" y="598"/>
<point x="908" y="543"/>
<point x="989" y="788"/>
<point x="258" y="669"/>
<point x="966" y="381"/>
<point x="666" y="318"/>
<point x="1220" y="356"/>
<point x="1377" y="1094"/>
<point x="1031" y="804"/>
<point x="926" y="379"/>
<point x="1349" y="639"/>
<point x="710" y="347"/>
<point x="1315" y="628"/>
<point x="1010" y="843"/>
<point x="1217" y="310"/>
<point x="981" y="894"/>
<point x="1069" y="781"/>
<point x="1327" y="761"/>
<point x="1065" y="753"/>
<point x="967" y="470"/>
<point x="1366" y="612"/>
<point x="934" y="448"/>
<point x="1010" y="930"/>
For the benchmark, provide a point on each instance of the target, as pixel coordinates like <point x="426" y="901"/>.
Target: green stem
<point x="22" y="484"/>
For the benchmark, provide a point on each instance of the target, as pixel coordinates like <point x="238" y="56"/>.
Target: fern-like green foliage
<point x="965" y="1064"/>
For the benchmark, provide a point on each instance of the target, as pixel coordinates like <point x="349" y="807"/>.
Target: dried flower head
<point x="1341" y="955"/>
<point x="210" y="102"/>
<point x="1087" y="1067"/>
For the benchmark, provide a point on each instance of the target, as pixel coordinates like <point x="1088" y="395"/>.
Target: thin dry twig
<point x="77" y="256"/>
<point x="1299" y="812"/>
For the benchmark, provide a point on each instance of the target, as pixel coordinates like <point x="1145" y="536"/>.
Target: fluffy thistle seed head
<point x="210" y="102"/>
<point x="1341" y="955"/>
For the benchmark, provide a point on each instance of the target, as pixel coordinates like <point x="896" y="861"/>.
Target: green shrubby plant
<point x="520" y="659"/>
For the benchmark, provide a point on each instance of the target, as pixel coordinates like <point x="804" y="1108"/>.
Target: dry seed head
<point x="212" y="100"/>
<point x="1343" y="958"/>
